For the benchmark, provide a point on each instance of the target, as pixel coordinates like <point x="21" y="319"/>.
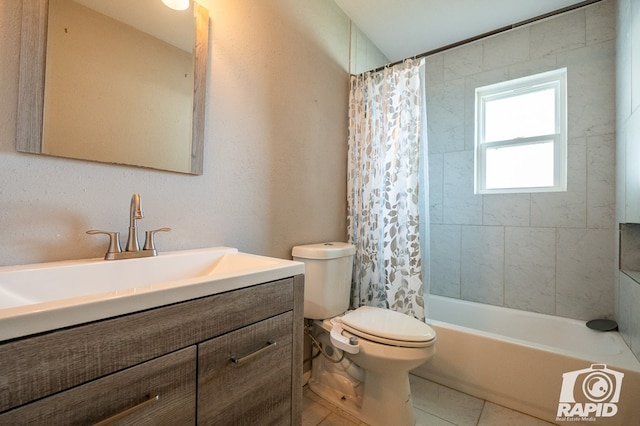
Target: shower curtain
<point x="387" y="188"/>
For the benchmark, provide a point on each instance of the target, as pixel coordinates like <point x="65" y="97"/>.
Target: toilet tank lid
<point x="329" y="250"/>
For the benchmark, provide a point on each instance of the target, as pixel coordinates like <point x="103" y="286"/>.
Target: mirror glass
<point x="123" y="82"/>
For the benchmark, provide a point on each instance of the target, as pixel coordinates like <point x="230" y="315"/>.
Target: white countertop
<point x="43" y="297"/>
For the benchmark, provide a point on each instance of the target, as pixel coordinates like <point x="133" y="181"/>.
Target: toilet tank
<point x="327" y="277"/>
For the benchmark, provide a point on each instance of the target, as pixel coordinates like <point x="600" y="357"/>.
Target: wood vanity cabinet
<point x="232" y="358"/>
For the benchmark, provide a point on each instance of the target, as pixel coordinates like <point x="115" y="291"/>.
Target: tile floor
<point x="435" y="405"/>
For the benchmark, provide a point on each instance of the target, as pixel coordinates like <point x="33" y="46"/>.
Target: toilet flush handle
<point x="349" y="345"/>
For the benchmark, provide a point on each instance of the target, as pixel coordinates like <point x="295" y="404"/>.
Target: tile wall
<point x="628" y="198"/>
<point x="552" y="253"/>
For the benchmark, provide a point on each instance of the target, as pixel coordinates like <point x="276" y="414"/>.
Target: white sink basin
<point x="41" y="297"/>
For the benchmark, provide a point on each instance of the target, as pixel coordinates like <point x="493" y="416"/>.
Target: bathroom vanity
<point x="234" y="357"/>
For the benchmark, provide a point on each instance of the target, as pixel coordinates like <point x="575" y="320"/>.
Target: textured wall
<point x="543" y="252"/>
<point x="275" y="147"/>
<point x="365" y="55"/>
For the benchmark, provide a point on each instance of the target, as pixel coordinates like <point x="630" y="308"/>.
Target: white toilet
<point x="380" y="346"/>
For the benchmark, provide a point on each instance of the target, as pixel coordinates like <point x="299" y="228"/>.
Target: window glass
<point x="519" y="116"/>
<point x="521" y="137"/>
<point x="520" y="166"/>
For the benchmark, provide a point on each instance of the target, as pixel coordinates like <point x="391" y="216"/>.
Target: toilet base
<point x="378" y="400"/>
<point x="395" y="411"/>
<point x="349" y="404"/>
<point x="397" y="404"/>
<point x="340" y="383"/>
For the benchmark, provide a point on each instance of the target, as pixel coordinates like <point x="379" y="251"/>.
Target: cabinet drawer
<point x="244" y="377"/>
<point x="127" y="397"/>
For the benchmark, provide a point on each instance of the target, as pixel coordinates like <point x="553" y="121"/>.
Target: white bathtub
<point x="517" y="359"/>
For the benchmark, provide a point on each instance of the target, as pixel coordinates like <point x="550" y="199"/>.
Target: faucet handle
<point x="149" y="241"/>
<point x="114" y="242"/>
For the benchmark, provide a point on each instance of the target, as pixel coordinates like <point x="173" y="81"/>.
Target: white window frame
<point x="556" y="79"/>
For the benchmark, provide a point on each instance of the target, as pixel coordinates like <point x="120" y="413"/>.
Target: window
<point x="521" y="136"/>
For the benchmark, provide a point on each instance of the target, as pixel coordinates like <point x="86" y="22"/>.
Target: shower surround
<point x="551" y="253"/>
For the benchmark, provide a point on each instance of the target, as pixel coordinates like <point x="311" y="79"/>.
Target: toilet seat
<point x="388" y="327"/>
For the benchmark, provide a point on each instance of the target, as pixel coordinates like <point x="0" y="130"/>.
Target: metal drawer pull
<point x="128" y="411"/>
<point x="238" y="361"/>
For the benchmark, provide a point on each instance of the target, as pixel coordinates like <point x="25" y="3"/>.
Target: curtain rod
<point x="491" y="33"/>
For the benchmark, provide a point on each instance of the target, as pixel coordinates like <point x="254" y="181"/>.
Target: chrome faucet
<point x="132" y="249"/>
<point x="135" y="212"/>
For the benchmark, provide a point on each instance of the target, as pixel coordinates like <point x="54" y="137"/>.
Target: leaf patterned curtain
<point x="385" y="176"/>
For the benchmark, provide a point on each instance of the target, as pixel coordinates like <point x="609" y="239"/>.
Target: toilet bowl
<point x="373" y="382"/>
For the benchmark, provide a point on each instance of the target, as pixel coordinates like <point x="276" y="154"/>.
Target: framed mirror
<point x="118" y="82"/>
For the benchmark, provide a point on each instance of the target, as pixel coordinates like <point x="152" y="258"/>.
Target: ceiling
<point x="404" y="28"/>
